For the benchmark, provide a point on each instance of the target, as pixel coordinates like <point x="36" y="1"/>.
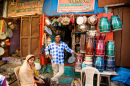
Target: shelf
<point x="79" y="32"/>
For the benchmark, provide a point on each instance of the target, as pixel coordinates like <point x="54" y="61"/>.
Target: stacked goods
<point x="88" y="61"/>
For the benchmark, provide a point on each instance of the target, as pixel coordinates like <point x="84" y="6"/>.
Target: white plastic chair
<point x="89" y="72"/>
<point x="16" y="71"/>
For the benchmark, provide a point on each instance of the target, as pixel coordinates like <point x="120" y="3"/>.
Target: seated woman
<point x="27" y="74"/>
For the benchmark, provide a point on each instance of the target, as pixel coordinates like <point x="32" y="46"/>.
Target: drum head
<point x="2" y="36"/>
<point x="2" y="51"/>
<point x="71" y="59"/>
<point x="80" y="20"/>
<point x="10" y="33"/>
<point x="47" y="30"/>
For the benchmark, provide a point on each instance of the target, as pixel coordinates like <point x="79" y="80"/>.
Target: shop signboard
<point x="75" y="5"/>
<point x="26" y="8"/>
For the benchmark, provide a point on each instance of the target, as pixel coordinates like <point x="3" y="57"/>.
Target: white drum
<point x="2" y="51"/>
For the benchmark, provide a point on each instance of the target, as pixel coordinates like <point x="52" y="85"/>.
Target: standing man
<point x="57" y="56"/>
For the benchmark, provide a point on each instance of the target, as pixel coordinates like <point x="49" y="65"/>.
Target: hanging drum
<point x="100" y="48"/>
<point x="104" y="25"/>
<point x="80" y="20"/>
<point x="110" y="49"/>
<point x="99" y="64"/>
<point x="110" y="64"/>
<point x="47" y="21"/>
<point x="9" y="33"/>
<point x="11" y="25"/>
<point x="92" y="20"/>
<point x="2" y="51"/>
<point x="116" y="23"/>
<point x="47" y="30"/>
<point x="89" y="47"/>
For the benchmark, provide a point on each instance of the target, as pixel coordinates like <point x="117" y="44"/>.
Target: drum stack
<point x="99" y="51"/>
<point x="110" y="56"/>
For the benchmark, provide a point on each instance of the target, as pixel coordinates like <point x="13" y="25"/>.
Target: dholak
<point x="110" y="63"/>
<point x="116" y="23"/>
<point x="99" y="64"/>
<point x="104" y="25"/>
<point x="89" y="47"/>
<point x="100" y="48"/>
<point x="110" y="49"/>
<point x="88" y="61"/>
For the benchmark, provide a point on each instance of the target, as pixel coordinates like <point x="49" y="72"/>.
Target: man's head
<point x="57" y="38"/>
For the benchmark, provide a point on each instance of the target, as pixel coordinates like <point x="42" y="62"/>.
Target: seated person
<point x="28" y="75"/>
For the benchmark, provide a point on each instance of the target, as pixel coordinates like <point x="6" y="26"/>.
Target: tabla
<point x="2" y="51"/>
<point x="47" y="30"/>
<point x="9" y="33"/>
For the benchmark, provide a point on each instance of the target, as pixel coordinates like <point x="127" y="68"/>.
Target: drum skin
<point x="116" y="23"/>
<point x="89" y="47"/>
<point x="110" y="48"/>
<point x="100" y="48"/>
<point x="110" y="63"/>
<point x="99" y="64"/>
<point x="104" y="25"/>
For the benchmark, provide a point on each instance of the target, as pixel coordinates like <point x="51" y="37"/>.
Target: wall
<point x="122" y="38"/>
<point x="102" y="3"/>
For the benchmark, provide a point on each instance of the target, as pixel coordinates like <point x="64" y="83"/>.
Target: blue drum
<point x="99" y="64"/>
<point x="110" y="64"/>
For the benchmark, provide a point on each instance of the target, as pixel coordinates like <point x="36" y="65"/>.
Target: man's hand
<point x="75" y="53"/>
<point x="50" y="56"/>
<point x="41" y="81"/>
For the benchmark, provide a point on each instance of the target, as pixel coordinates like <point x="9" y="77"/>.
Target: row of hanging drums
<point x="100" y="48"/>
<point x="100" y="64"/>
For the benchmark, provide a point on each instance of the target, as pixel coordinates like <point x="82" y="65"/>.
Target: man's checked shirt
<point x="57" y="52"/>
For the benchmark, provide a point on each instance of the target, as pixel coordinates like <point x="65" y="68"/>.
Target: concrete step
<point x="64" y="79"/>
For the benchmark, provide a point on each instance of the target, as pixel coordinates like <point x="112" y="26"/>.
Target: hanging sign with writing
<point x="75" y="5"/>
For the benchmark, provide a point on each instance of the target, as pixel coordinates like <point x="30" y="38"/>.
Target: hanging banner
<point x="75" y="5"/>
